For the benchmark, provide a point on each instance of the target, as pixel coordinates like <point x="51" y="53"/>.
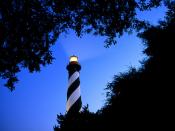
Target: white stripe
<point x="73" y="98"/>
<point x="73" y="78"/>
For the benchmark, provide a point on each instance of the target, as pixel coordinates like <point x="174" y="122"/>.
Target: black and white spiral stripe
<point x="73" y="94"/>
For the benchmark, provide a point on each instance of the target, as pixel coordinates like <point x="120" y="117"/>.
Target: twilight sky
<point x="39" y="97"/>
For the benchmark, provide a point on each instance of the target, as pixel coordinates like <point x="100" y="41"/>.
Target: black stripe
<point x="71" y="73"/>
<point x="73" y="87"/>
<point x="76" y="106"/>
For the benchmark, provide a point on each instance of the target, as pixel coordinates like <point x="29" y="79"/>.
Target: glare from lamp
<point x="73" y="59"/>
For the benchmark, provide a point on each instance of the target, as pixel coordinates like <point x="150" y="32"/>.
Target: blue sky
<point x="39" y="97"/>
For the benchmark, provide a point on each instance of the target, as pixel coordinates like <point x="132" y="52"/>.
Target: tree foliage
<point x="110" y="18"/>
<point x="28" y="28"/>
<point x="85" y="120"/>
<point x="140" y="98"/>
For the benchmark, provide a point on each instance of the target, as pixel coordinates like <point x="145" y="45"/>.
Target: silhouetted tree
<point x="28" y="28"/>
<point x="85" y="120"/>
<point x="108" y="18"/>
<point x="141" y="98"/>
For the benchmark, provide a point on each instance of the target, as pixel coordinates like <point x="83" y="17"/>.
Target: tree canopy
<point x="28" y="28"/>
<point x="25" y="37"/>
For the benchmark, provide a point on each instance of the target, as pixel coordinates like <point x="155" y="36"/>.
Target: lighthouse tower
<point x="74" y="103"/>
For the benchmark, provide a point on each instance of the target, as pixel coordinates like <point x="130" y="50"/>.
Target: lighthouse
<point x="74" y="102"/>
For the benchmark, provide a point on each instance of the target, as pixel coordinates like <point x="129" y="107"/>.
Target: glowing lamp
<point x="73" y="59"/>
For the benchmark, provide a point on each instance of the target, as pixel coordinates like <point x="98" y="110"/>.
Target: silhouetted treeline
<point x="140" y="98"/>
<point x="28" y="28"/>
